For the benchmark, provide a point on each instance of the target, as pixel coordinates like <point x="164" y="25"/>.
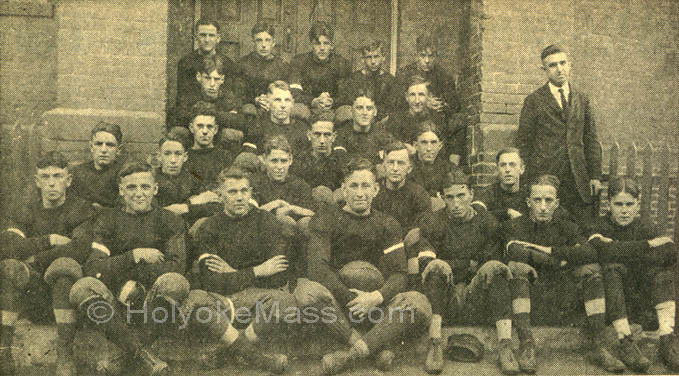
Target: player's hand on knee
<point x="56" y="239"/>
<point x="271" y="266"/>
<point x="522" y="270"/>
<point x="147" y="255"/>
<point x="364" y="302"/>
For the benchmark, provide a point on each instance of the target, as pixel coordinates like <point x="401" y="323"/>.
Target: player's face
<point x="204" y="129"/>
<point x="542" y="203"/>
<point x="172" y="157"/>
<point x="397" y="166"/>
<point x="281" y="103"/>
<point x="373" y="60"/>
<point x="208" y="38"/>
<point x="363" y="111"/>
<point x="105" y="148"/>
<point x="137" y="190"/>
<point x="359" y="189"/>
<point x="236" y="194"/>
<point x="428" y="146"/>
<point x="322" y="47"/>
<point x="52" y="182"/>
<point x="417" y="96"/>
<point x="264" y="44"/>
<point x="210" y="83"/>
<point x="277" y="164"/>
<point x="557" y="67"/>
<point x="425" y="60"/>
<point x="624" y="208"/>
<point x="509" y="169"/>
<point x="321" y="137"/>
<point x="458" y="199"/>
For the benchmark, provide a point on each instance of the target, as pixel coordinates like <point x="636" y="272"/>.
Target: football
<point x="361" y="275"/>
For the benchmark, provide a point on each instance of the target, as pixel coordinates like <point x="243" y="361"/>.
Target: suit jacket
<point x="551" y="143"/>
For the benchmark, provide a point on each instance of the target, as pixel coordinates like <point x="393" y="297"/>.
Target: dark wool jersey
<point x="324" y="170"/>
<point x="262" y="128"/>
<point x="441" y="85"/>
<point x="377" y="85"/>
<point x="293" y="190"/>
<point x="339" y="237"/>
<point x="407" y="204"/>
<point x="191" y="64"/>
<point x="458" y="241"/>
<point x="178" y="189"/>
<point x="260" y="72"/>
<point x="430" y="176"/>
<point x="98" y="186"/>
<point x="317" y="76"/>
<point x="27" y="231"/>
<point x="360" y="144"/>
<point x="117" y="233"/>
<point x="403" y="125"/>
<point x="206" y="164"/>
<point x="244" y="243"/>
<point x="498" y="200"/>
<point x="228" y="105"/>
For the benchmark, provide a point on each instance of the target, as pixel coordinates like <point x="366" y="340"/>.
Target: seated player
<point x="457" y="258"/>
<point x="315" y="75"/>
<point x="43" y="247"/>
<point x="278" y="121"/>
<point x="356" y="232"/>
<point x="252" y="263"/>
<point x="506" y="198"/>
<point x="372" y="79"/>
<point x="205" y="160"/>
<point x="261" y="67"/>
<point x="362" y="137"/>
<point x="430" y="166"/>
<point x="178" y="190"/>
<point x="639" y="264"/>
<point x="542" y="244"/>
<point x="321" y="165"/>
<point x="402" y="123"/>
<point x="132" y="247"/>
<point x="276" y="190"/>
<point x="96" y="180"/>
<point x="224" y="92"/>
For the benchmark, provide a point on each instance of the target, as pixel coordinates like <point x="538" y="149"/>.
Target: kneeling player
<point x="48" y="238"/>
<point x="358" y="233"/>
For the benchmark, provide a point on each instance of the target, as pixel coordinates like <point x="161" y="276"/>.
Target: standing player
<point x="48" y="239"/>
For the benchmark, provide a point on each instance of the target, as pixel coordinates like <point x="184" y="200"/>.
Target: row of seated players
<point x="426" y="261"/>
<point x="319" y="80"/>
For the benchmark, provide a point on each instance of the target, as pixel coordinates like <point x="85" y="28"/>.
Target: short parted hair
<point x="277" y="142"/>
<point x="135" y="167"/>
<point x="395" y="146"/>
<point x="319" y="29"/>
<point x="202" y="108"/>
<point x="507" y="151"/>
<point x="623" y="184"/>
<point x="232" y="173"/>
<point x="428" y="126"/>
<point x="328" y="116"/>
<point x="456" y="177"/>
<point x="374" y="45"/>
<point x="424" y="42"/>
<point x="278" y="84"/>
<point x="111" y="128"/>
<point x="207" y="21"/>
<point x="178" y="134"/>
<point x="52" y="159"/>
<point x="546" y="179"/>
<point x="417" y="80"/>
<point x="358" y="164"/>
<point x="550" y="50"/>
<point x="213" y="63"/>
<point x="265" y="27"/>
<point x="363" y="92"/>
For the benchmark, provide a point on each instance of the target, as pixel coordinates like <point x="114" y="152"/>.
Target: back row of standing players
<point x="199" y="232"/>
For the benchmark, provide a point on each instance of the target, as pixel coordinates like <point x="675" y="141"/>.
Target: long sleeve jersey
<point x="260" y="72"/>
<point x="98" y="186"/>
<point x="430" y="176"/>
<point x="261" y="129"/>
<point x="324" y="170"/>
<point x="178" y="189"/>
<point x="316" y="76"/>
<point x="293" y="190"/>
<point x="205" y="164"/>
<point x="407" y="204"/>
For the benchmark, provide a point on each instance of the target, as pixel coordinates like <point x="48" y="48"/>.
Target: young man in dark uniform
<point x="96" y="180"/>
<point x="430" y="166"/>
<point x="47" y="239"/>
<point x="506" y="198"/>
<point x="357" y="232"/>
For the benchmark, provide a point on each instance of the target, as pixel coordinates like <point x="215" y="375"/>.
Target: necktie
<point x="564" y="104"/>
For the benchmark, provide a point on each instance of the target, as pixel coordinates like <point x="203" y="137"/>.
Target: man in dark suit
<point x="557" y="135"/>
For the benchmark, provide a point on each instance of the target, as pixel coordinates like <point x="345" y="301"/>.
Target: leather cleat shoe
<point x="631" y="355"/>
<point x="151" y="364"/>
<point x="668" y="350"/>
<point x="508" y="363"/>
<point x="434" y="363"/>
<point x="385" y="361"/>
<point x="527" y="360"/>
<point x="337" y="362"/>
<point x="601" y="357"/>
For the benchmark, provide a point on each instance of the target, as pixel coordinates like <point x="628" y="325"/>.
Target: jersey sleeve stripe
<point x="296" y="86"/>
<point x="102" y="248"/>
<point x="251" y="145"/>
<point x="15" y="230"/>
<point x="426" y="254"/>
<point x="126" y="290"/>
<point x="480" y="203"/>
<point x="393" y="248"/>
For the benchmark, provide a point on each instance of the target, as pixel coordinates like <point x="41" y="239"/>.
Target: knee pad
<point x="588" y="272"/>
<point x="87" y="288"/>
<point x="495" y="268"/>
<point x="439" y="267"/>
<point x="342" y="114"/>
<point x="521" y="270"/>
<point x="415" y="302"/>
<point x="207" y="314"/>
<point x="361" y="275"/>
<point x="309" y="293"/>
<point x="63" y="267"/>
<point x="15" y="272"/>
<point x="172" y="287"/>
<point x="615" y="268"/>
